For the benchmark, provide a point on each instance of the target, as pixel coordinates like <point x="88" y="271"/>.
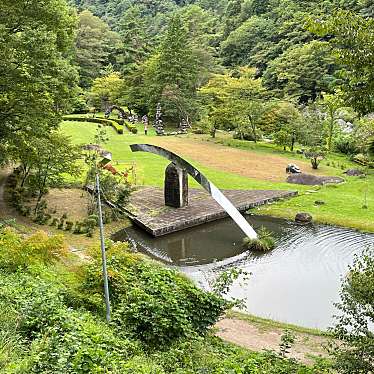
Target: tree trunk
<point x="293" y="140"/>
<point x="314" y="162"/>
<point x="26" y="173"/>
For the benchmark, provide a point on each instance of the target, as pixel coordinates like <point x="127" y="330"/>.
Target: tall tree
<point x="302" y="72"/>
<point x="331" y="104"/>
<point x="240" y="44"/>
<point x="352" y="39"/>
<point x="107" y="90"/>
<point x="95" y="47"/>
<point x="137" y="43"/>
<point x="172" y="73"/>
<point x="37" y="80"/>
<point x="234" y="101"/>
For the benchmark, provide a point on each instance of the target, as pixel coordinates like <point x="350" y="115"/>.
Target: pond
<point x="298" y="282"/>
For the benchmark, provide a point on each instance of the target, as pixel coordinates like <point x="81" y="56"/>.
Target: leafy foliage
<point x="96" y="45"/>
<point x="353" y="43"/>
<point x="155" y="304"/>
<point x="37" y="79"/>
<point x="263" y="243"/>
<point x="355" y="350"/>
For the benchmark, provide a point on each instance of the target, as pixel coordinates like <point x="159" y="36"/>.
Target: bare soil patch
<point x="72" y="201"/>
<point x="242" y="162"/>
<point x="253" y="337"/>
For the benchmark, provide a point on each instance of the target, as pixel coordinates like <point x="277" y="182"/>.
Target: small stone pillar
<point x="176" y="186"/>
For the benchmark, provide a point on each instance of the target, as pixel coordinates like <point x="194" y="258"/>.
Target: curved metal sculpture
<point x="217" y="195"/>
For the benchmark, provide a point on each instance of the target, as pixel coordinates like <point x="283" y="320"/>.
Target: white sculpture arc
<point x="217" y="195"/>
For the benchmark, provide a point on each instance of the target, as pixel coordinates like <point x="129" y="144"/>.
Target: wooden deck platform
<point x="149" y="212"/>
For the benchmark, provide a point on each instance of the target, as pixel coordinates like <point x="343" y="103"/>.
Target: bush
<point x="63" y="340"/>
<point x="247" y="135"/>
<point x="155" y="304"/>
<point x="44" y="327"/>
<point x="18" y="253"/>
<point x="363" y="160"/>
<point x="132" y="128"/>
<point x="354" y="351"/>
<point x="346" y="145"/>
<point x="263" y="243"/>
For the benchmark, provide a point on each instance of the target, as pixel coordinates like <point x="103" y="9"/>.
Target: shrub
<point x="354" y="351"/>
<point x="19" y="253"/>
<point x="263" y="243"/>
<point x="363" y="160"/>
<point x="63" y="340"/>
<point x="155" y="304"/>
<point x="90" y="223"/>
<point x="346" y="145"/>
<point x="69" y="225"/>
<point x="248" y="135"/>
<point x="101" y="121"/>
<point x="132" y="128"/>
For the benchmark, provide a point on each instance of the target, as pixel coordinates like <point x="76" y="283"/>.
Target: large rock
<point x="303" y="218"/>
<point x="354" y="172"/>
<point x="312" y="180"/>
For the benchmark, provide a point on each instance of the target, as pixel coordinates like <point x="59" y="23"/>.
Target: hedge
<point x="132" y="128"/>
<point x="102" y="121"/>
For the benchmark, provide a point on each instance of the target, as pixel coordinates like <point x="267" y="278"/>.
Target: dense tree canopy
<point x="353" y="43"/>
<point x="37" y="79"/>
<point x="96" y="45"/>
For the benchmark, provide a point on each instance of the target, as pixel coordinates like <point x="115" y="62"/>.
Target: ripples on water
<point x="297" y="282"/>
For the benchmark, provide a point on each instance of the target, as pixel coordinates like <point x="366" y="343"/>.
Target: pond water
<point x="297" y="282"/>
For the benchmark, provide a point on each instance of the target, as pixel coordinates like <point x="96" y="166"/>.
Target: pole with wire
<point x="103" y="253"/>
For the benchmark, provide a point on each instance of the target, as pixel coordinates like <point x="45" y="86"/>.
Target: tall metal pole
<point x="103" y="254"/>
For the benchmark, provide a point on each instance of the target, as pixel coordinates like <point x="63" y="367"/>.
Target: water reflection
<point x="297" y="282"/>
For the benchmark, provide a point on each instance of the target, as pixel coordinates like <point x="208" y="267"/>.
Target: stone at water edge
<point x="303" y="218"/>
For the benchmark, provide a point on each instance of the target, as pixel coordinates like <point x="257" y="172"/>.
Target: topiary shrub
<point x="153" y="303"/>
<point x="263" y="243"/>
<point x="101" y="121"/>
<point x="132" y="128"/>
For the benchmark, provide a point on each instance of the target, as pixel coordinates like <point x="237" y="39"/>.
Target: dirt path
<point x="245" y="163"/>
<point x="256" y="337"/>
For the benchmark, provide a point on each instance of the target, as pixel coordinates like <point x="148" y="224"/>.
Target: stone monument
<point x="159" y="126"/>
<point x="183" y="126"/>
<point x="176" y="186"/>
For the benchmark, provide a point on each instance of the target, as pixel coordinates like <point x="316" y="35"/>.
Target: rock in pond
<point x="312" y="180"/>
<point x="303" y="218"/>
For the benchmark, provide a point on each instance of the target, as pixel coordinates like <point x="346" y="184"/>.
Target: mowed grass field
<point x="233" y="165"/>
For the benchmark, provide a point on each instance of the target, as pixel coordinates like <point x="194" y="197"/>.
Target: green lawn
<point x="343" y="202"/>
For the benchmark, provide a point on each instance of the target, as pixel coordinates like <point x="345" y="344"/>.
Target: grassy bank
<point x="343" y="203"/>
<point x="53" y="320"/>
